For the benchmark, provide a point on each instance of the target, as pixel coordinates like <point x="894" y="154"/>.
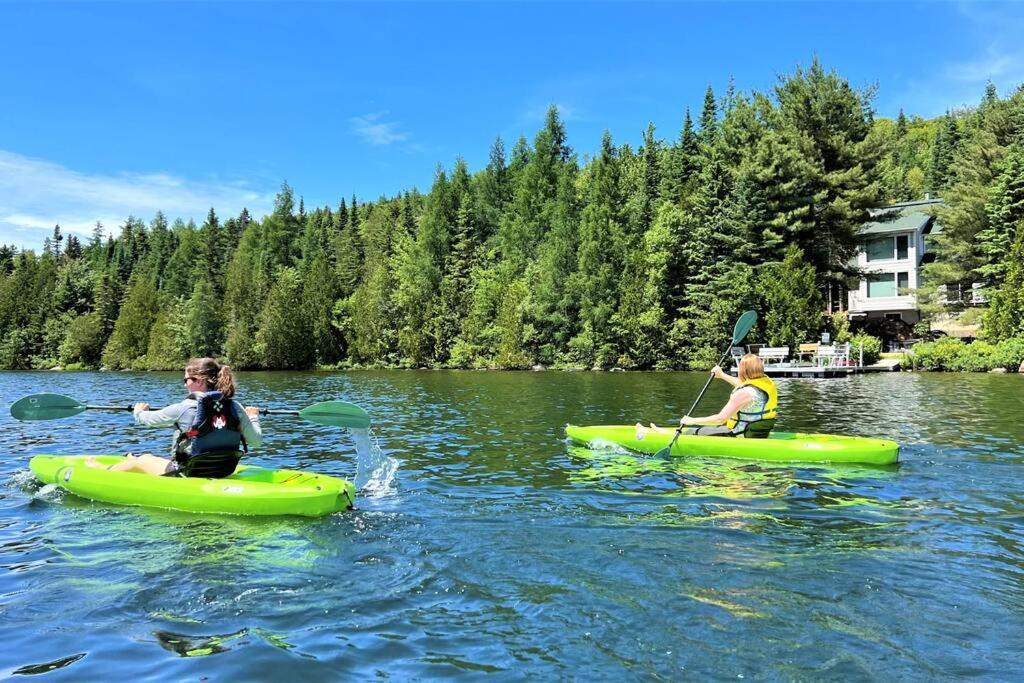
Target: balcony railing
<point x="859" y="303"/>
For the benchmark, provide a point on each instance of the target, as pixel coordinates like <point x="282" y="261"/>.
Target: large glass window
<point x="881" y="284"/>
<point x="880" y="249"/>
<point x="902" y="247"/>
<point x="902" y="281"/>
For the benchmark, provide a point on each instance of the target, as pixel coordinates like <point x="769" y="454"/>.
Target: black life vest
<point x="215" y="428"/>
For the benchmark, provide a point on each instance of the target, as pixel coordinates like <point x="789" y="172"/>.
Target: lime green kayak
<point x="781" y="446"/>
<point x="249" y="491"/>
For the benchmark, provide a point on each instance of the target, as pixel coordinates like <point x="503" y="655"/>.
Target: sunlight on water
<point x="375" y="471"/>
<point x="506" y="549"/>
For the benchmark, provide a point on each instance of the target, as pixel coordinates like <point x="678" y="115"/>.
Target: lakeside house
<point x="892" y="253"/>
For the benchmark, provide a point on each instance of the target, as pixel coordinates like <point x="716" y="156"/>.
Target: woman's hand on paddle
<point x="718" y="372"/>
<point x="686" y="420"/>
<point x="139" y="407"/>
<point x="252" y="411"/>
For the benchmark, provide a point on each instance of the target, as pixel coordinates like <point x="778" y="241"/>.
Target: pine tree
<point x="602" y="258"/>
<point x="708" y="116"/>
<point x="792" y="309"/>
<point x="130" y="338"/>
<point x="1004" y="317"/>
<point x="652" y="179"/>
<point x="57" y="240"/>
<point x="492" y="193"/>
<point x="943" y="151"/>
<point x="963" y="216"/>
<point x="245" y="291"/>
<point x="1005" y="209"/>
<point x="185" y="264"/>
<point x="204" y="322"/>
<point x="212" y="251"/>
<point x="816" y="168"/>
<point x="453" y="299"/>
<point x="281" y="230"/>
<point x="107" y="296"/>
<point x="282" y="341"/>
<point x="319" y="293"/>
<point x="901" y="126"/>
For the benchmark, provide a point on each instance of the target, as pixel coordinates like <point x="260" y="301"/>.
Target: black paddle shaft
<point x="706" y="385"/>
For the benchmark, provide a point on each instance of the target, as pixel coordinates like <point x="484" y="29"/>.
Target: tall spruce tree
<point x="1005" y="209"/>
<point x="1004" y="317"/>
<point x="130" y="338"/>
<point x="602" y="258"/>
<point x="282" y="341"/>
<point x="708" y="116"/>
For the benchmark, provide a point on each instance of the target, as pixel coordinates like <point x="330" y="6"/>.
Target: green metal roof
<point x="907" y="217"/>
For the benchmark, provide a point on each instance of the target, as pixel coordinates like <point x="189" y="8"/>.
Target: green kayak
<point x="249" y="491"/>
<point x="781" y="446"/>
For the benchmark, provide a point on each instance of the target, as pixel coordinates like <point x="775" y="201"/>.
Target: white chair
<point x="768" y="354"/>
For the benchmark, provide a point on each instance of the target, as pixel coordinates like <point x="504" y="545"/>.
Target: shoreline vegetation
<point x="631" y="259"/>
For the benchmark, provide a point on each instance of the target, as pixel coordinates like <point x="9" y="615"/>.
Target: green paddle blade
<point x="46" y="407"/>
<point x="743" y="326"/>
<point x="337" y="414"/>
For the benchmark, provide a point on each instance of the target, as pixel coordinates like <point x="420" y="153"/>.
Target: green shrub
<point x="952" y="354"/>
<point x="937" y="355"/>
<point x="872" y="348"/>
<point x="1010" y="353"/>
<point x="979" y="356"/>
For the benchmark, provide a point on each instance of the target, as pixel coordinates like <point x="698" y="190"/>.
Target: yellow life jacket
<point x="755" y="413"/>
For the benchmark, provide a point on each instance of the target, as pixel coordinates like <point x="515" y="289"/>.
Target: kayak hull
<point x="779" y="446"/>
<point x="249" y="491"/>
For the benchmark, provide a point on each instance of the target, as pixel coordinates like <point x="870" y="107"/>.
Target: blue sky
<point x="113" y="109"/>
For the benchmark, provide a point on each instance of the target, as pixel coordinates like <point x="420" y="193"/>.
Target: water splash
<point x="51" y="493"/>
<point x="22" y="479"/>
<point x="375" y="471"/>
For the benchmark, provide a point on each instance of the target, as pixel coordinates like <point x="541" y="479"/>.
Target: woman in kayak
<point x="210" y="427"/>
<point x="750" y="411"/>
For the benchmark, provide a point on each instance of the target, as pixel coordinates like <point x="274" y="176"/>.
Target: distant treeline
<point x="635" y="258"/>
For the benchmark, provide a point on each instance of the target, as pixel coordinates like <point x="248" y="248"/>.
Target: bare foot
<point x="95" y="464"/>
<point x="641" y="432"/>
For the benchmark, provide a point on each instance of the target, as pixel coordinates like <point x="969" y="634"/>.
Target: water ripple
<point x="483" y="544"/>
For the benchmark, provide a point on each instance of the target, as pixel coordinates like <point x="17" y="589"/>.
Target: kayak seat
<point x="209" y="465"/>
<point x="758" y="430"/>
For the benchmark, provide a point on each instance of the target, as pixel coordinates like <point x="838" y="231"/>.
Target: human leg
<point x="147" y="463"/>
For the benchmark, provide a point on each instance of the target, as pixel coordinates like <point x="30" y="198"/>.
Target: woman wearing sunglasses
<point x="212" y="430"/>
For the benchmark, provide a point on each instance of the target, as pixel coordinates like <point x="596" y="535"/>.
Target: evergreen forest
<point x="619" y="257"/>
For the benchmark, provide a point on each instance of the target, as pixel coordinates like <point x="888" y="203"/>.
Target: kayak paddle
<point x="739" y="331"/>
<point x="55" y="406"/>
<point x="52" y="407"/>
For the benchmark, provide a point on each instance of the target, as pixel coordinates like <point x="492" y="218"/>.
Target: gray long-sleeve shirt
<point x="180" y="416"/>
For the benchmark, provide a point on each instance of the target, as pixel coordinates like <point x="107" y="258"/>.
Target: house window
<point x="881" y="285"/>
<point x="902" y="247"/>
<point x="894" y="316"/>
<point x="880" y="249"/>
<point x="902" y="281"/>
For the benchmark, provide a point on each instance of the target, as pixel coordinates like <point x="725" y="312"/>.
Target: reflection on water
<point x="505" y="549"/>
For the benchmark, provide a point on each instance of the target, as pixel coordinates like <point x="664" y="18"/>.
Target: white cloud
<point x="991" y="35"/>
<point x="995" y="66"/>
<point x="36" y="194"/>
<point x="375" y="130"/>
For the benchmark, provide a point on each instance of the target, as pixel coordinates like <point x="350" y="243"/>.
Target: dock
<point x="828" y="371"/>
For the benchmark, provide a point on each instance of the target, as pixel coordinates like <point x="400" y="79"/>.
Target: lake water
<point x="497" y="550"/>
